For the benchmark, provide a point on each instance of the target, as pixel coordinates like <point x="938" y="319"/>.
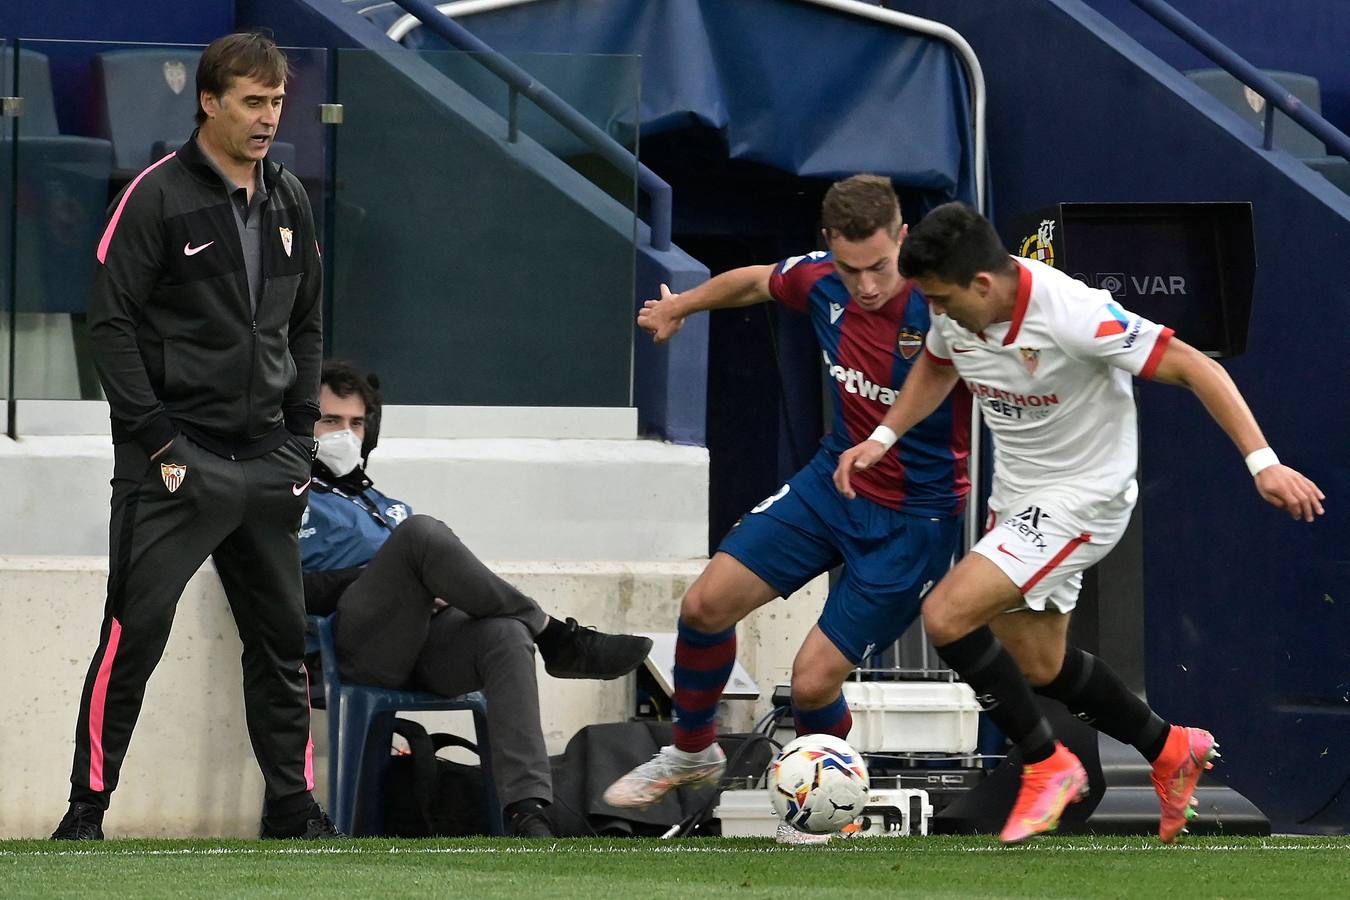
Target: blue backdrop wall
<point x="131" y="21"/>
<point x="168" y="22"/>
<point x="1247" y="615"/>
<point x="1308" y="36"/>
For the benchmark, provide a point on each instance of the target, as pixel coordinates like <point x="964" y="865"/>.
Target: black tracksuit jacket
<point x="176" y="343"/>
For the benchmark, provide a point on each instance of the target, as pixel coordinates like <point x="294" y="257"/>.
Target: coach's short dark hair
<point x="856" y="207"/>
<point x="344" y="379"/>
<point x="953" y="243"/>
<point x="244" y="54"/>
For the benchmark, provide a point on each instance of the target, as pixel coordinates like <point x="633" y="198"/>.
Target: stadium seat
<point x="35" y="86"/>
<point x="1288" y="135"/>
<point x="62" y="191"/>
<point x="145" y="96"/>
<point x="147" y="104"/>
<point x="360" y="731"/>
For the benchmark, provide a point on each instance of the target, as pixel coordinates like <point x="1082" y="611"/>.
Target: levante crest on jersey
<point x="909" y="341"/>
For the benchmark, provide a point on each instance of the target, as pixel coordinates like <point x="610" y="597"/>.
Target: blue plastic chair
<point x="360" y="729"/>
<point x="147" y="99"/>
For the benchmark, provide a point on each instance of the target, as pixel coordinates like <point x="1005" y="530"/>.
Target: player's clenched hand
<point x="855" y="459"/>
<point x="1289" y="490"/>
<point x="658" y="317"/>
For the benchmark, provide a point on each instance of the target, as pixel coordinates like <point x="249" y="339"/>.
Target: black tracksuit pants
<point x="165" y="522"/>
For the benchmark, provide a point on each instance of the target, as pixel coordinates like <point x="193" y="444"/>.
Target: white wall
<point x="534" y="498"/>
<point x="190" y="770"/>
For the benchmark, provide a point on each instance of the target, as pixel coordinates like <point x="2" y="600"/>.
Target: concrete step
<point x="508" y="498"/>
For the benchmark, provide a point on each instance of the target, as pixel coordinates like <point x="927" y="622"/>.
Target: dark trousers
<point x="389" y="633"/>
<point x="245" y="515"/>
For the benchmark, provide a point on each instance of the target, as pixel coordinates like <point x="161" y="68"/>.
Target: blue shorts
<point x="890" y="558"/>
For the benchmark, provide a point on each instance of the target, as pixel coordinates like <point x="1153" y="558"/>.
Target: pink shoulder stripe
<point x="121" y="204"/>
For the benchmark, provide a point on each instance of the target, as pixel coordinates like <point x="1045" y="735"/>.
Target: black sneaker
<point x="531" y="825"/>
<point x="583" y="652"/>
<point x="82" y="822"/>
<point x="317" y="827"/>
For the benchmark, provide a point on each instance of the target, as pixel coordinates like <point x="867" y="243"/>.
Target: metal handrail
<point x="406" y="24"/>
<point x="1276" y="95"/>
<point x="401" y="28"/>
<point x="521" y="82"/>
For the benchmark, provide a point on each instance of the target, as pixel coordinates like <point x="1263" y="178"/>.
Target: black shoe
<point x="531" y="825"/>
<point x="317" y="827"/>
<point x="582" y="652"/>
<point x="82" y="822"/>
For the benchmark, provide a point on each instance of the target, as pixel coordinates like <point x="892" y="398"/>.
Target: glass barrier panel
<point x="472" y="269"/>
<point x="95" y="116"/>
<point x="602" y="88"/>
<point x="7" y="64"/>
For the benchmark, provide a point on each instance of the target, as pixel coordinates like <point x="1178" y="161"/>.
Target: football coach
<point x="205" y="326"/>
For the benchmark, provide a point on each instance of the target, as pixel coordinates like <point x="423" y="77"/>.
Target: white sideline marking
<point x="554" y="848"/>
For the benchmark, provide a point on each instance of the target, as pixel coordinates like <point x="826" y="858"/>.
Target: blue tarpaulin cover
<point x="804" y="89"/>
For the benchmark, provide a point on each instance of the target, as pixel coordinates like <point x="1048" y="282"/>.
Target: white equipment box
<point x="912" y="716"/>
<point x="889" y="812"/>
<point x="896" y="811"/>
<point x="746" y="813"/>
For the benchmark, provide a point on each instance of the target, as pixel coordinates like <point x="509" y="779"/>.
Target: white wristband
<point x="1261" y="459"/>
<point x="884" y="436"/>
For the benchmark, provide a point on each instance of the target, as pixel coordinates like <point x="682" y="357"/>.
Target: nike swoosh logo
<point x="189" y="250"/>
<point x="1003" y="549"/>
<point x="835" y="312"/>
<point x="964" y="349"/>
<point x="298" y="489"/>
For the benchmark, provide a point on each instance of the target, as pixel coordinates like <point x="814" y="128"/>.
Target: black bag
<point x="598" y="754"/>
<point x="426" y="796"/>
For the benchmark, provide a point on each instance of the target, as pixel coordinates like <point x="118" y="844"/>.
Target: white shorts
<point x="1045" y="550"/>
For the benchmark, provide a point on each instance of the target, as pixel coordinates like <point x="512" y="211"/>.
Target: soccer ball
<point x="818" y="784"/>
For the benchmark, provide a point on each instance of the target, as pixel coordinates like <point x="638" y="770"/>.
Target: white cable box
<point x="912" y="716"/>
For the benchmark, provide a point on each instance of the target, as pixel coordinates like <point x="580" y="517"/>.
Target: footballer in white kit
<point x="1054" y="387"/>
<point x="1050" y="362"/>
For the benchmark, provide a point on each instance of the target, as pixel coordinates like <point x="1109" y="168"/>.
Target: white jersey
<point x="1054" y="387"/>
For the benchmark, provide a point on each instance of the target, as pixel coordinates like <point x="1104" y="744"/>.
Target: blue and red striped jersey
<point x="867" y="356"/>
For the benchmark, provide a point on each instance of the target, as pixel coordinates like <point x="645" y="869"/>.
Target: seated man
<point x="418" y="609"/>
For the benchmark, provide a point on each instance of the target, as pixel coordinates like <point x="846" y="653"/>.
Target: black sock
<point x="1002" y="690"/>
<point x="1095" y="694"/>
<point x="547" y="640"/>
<point x="524" y="808"/>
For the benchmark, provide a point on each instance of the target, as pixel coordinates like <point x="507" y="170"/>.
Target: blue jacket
<point x="340" y="530"/>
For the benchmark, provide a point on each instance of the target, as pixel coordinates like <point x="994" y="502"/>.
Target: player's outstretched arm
<point x="925" y="387"/>
<point x="745" y="286"/>
<point x="1279" y="485"/>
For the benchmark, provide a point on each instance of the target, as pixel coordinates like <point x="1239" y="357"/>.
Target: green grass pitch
<point x="934" y="867"/>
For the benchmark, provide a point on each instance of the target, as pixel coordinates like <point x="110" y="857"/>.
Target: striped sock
<point x="703" y="664"/>
<point x="833" y="719"/>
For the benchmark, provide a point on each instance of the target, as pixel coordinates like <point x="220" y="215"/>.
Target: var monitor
<point x="1191" y="266"/>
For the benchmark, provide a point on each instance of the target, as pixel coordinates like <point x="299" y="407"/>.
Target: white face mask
<point x="340" y="451"/>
